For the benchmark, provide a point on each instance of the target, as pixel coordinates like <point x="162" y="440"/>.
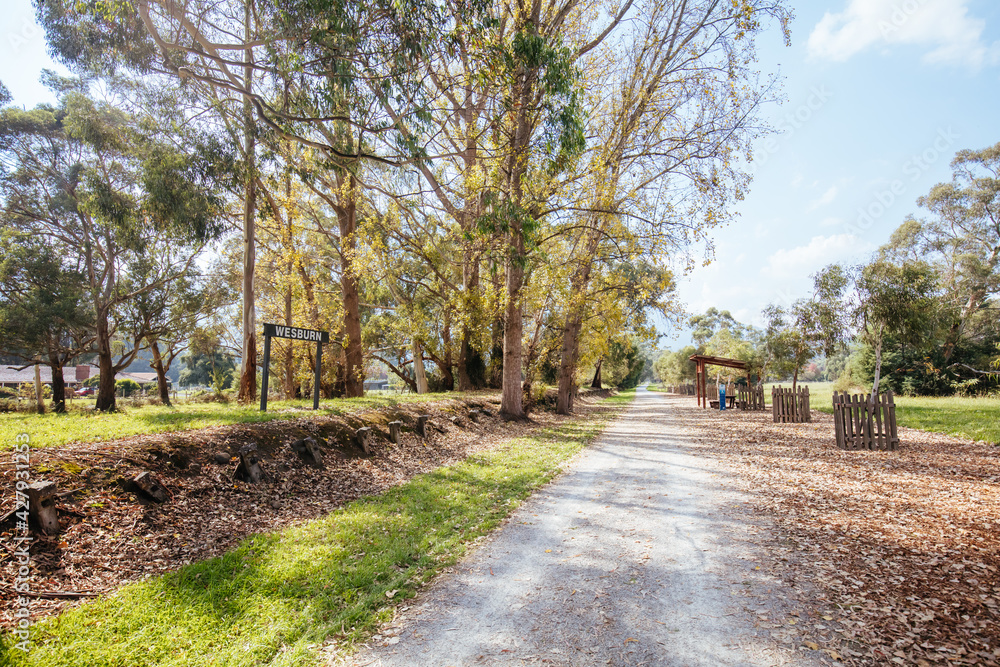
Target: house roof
<point x="11" y="375"/>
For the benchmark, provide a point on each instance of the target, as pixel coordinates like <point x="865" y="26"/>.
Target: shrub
<point x="126" y="387"/>
<point x="27" y="390"/>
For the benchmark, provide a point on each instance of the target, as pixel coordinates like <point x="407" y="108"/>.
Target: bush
<point x="27" y="390"/>
<point x="126" y="388"/>
<point x="92" y="381"/>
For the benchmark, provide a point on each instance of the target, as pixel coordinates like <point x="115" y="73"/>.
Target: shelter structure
<point x="701" y="381"/>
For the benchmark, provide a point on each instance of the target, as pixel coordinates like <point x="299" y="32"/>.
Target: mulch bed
<point x="109" y="538"/>
<point x="897" y="552"/>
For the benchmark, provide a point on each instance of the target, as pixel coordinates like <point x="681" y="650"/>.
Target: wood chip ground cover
<point x="896" y="553"/>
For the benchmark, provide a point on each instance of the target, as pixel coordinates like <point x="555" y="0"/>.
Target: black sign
<point x="295" y="333"/>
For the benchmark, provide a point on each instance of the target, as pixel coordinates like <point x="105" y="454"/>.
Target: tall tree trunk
<point x="248" y="356"/>
<point x="289" y="380"/>
<point x="512" y="391"/>
<point x="105" y="363"/>
<point x="569" y="355"/>
<point x="353" y="351"/>
<point x="161" y="373"/>
<point x="58" y="383"/>
<point x="596" y="382"/>
<point x="447" y="375"/>
<point x="570" y="351"/>
<point x="39" y="395"/>
<point x="464" y="357"/>
<point x="288" y="387"/>
<point x="470" y="302"/>
<point x="878" y="366"/>
<point x="494" y="373"/>
<point x="419" y="373"/>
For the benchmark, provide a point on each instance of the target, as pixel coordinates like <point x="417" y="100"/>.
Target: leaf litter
<point x="895" y="555"/>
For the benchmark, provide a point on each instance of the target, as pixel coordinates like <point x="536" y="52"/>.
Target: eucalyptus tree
<point x="892" y="298"/>
<point x="676" y="104"/>
<point x="43" y="313"/>
<point x="961" y="239"/>
<point x="300" y="72"/>
<point x="130" y="208"/>
<point x="168" y="314"/>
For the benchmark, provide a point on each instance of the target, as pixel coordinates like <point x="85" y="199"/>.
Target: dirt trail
<point x="637" y="555"/>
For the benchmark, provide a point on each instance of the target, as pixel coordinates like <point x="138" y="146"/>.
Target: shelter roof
<point x="718" y="361"/>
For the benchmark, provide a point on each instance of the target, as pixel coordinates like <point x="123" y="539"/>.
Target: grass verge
<point x="81" y="425"/>
<point x="278" y="596"/>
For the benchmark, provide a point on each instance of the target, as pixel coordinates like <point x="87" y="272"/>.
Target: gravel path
<point x="637" y="555"/>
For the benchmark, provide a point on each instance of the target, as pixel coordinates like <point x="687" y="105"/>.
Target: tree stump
<point x="308" y="451"/>
<point x="149" y="487"/>
<point x="42" y="506"/>
<point x="249" y="468"/>
<point x="422" y="421"/>
<point x="364" y="439"/>
<point x="395" y="431"/>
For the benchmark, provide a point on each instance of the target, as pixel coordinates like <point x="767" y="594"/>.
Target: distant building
<point x="379" y="382"/>
<point x="74" y="376"/>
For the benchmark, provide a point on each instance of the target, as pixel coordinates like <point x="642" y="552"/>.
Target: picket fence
<point x="790" y="407"/>
<point x="751" y="398"/>
<point x="860" y="423"/>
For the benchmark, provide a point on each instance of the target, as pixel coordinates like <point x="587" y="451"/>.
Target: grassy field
<point x="975" y="418"/>
<point x="279" y="596"/>
<point x="82" y="424"/>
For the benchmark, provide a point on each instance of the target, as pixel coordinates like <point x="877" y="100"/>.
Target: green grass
<point x="964" y="417"/>
<point x="277" y="596"/>
<point x="86" y="425"/>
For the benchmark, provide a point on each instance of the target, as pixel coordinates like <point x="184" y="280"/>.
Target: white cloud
<point x="805" y="260"/>
<point x="825" y="199"/>
<point x="832" y="221"/>
<point x="954" y="37"/>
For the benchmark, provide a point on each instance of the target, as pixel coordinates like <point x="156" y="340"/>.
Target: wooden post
<point x="150" y="487"/>
<point x="394" y="431"/>
<point x="249" y="466"/>
<point x="364" y="436"/>
<point x="422" y="425"/>
<point x="266" y="371"/>
<point x="42" y="506"/>
<point x="319" y="358"/>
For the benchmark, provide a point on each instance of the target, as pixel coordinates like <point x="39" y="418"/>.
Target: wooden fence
<point x="682" y="389"/>
<point x="790" y="407"/>
<point x="751" y="398"/>
<point x="860" y="423"/>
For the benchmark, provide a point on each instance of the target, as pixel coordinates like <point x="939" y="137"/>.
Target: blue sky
<point x="880" y="95"/>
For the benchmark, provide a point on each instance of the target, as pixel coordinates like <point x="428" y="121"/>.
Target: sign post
<point x="293" y="333"/>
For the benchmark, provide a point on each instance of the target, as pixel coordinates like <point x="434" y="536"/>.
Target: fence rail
<point x="790" y="407"/>
<point x="862" y="423"/>
<point x="682" y="389"/>
<point x="751" y="398"/>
